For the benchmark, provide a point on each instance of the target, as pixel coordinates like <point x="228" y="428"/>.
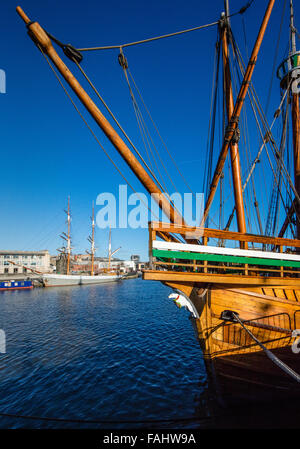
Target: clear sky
<point x="46" y="151"/>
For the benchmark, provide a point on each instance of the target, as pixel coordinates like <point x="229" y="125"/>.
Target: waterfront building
<point x="15" y="262"/>
<point x="102" y="264"/>
<point x="135" y="258"/>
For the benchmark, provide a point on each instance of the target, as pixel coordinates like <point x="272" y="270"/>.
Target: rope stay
<point x="229" y="315"/>
<point x="93" y="134"/>
<point x="128" y="76"/>
<point x="164" y="36"/>
<point x="151" y="39"/>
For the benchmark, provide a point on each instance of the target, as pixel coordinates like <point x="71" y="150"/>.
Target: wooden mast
<point x="295" y="122"/>
<point x="237" y="111"/>
<point x="234" y="149"/>
<point x="44" y="42"/>
<point x="68" y="237"/>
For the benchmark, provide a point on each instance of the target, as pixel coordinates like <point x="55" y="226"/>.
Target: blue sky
<point x="47" y="152"/>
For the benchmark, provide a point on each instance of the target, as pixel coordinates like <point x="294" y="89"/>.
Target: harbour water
<point x="119" y="352"/>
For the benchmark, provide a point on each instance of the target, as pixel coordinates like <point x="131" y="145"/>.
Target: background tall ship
<point x="64" y="275"/>
<point x="242" y="288"/>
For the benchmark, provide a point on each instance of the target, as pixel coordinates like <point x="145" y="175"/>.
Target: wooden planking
<point x="220" y="279"/>
<point x="226" y="235"/>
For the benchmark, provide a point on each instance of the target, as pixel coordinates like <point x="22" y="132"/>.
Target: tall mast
<point x="68" y="237"/>
<point x="295" y="116"/>
<point x="234" y="149"/>
<point x="93" y="241"/>
<point x="237" y="111"/>
<point x="109" y="247"/>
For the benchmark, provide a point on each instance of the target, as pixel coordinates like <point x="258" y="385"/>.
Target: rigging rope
<point x="163" y="142"/>
<point x="144" y="129"/>
<point x="275" y="151"/>
<point x="163" y="188"/>
<point x="164" y="36"/>
<point x="268" y="353"/>
<point x="151" y="39"/>
<point x="116" y="121"/>
<point x="93" y="134"/>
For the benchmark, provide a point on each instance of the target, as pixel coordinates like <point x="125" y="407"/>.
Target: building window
<point x="5" y="270"/>
<point x="15" y="270"/>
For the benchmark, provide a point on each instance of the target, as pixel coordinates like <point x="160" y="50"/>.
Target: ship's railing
<point x="183" y="248"/>
<point x="274" y="331"/>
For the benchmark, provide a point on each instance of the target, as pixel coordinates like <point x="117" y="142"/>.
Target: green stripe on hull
<point x="223" y="258"/>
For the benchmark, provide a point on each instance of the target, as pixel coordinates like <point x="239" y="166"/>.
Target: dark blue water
<point x="114" y="352"/>
<point x="119" y="352"/>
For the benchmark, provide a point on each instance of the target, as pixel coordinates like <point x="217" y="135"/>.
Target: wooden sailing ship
<point x="244" y="300"/>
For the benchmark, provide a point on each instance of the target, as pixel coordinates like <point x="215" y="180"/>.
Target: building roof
<point x="24" y="253"/>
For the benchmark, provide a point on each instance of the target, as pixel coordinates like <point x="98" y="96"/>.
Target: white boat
<point x="60" y="280"/>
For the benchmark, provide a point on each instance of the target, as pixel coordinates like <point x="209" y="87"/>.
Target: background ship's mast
<point x="92" y="241"/>
<point x="68" y="237"/>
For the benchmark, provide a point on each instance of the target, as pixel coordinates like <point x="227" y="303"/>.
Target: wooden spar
<point x="234" y="149"/>
<point x="69" y="239"/>
<point x="237" y="111"/>
<point x="225" y="235"/>
<point x="93" y="241"/>
<point x="45" y="43"/>
<point x="295" y="123"/>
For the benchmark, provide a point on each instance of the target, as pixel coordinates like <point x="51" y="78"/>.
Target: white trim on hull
<point x="60" y="280"/>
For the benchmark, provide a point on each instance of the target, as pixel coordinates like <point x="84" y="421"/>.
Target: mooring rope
<point x="268" y="353"/>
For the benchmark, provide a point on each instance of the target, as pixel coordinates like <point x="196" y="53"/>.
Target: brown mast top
<point x="234" y="149"/>
<point x="295" y="123"/>
<point x="237" y="111"/>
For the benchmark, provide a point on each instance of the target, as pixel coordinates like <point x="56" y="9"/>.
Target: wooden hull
<point x="238" y="368"/>
<point x="241" y="379"/>
<point x="239" y="371"/>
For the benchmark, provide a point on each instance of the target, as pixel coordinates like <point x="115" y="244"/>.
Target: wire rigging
<point x="92" y="132"/>
<point x="164" y="36"/>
